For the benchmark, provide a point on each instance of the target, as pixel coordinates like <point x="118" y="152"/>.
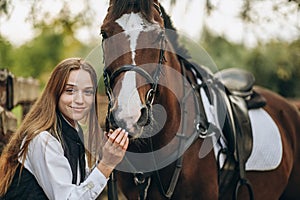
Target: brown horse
<point x="164" y="101"/>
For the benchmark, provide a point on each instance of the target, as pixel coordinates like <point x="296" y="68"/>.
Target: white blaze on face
<point x="133" y="24"/>
<point x="129" y="103"/>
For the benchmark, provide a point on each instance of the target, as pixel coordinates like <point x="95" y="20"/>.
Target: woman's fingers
<point x="115" y="147"/>
<point x="124" y="141"/>
<point x="119" y="138"/>
<point x="112" y="135"/>
<point x="126" y="144"/>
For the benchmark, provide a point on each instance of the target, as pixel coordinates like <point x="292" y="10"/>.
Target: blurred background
<point x="262" y="36"/>
<point x="259" y="35"/>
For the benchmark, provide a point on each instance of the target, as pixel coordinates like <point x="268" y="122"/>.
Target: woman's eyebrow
<point x="75" y="85"/>
<point x="71" y="84"/>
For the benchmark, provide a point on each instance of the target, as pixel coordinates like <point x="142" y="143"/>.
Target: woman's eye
<point x="89" y="92"/>
<point x="70" y="90"/>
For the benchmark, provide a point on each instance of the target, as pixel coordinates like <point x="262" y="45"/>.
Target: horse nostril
<point x="144" y="120"/>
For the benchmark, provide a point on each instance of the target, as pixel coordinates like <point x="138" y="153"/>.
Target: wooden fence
<point x="14" y="91"/>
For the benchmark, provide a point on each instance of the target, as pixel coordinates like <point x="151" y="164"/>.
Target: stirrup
<point x="244" y="182"/>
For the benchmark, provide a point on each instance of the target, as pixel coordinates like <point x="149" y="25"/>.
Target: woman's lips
<point x="78" y="109"/>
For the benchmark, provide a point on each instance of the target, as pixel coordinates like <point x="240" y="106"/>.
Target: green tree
<point x="55" y="41"/>
<point x="224" y="53"/>
<point x="38" y="55"/>
<point x="5" y="50"/>
<point x="275" y="65"/>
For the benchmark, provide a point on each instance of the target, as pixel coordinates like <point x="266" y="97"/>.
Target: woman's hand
<point x="113" y="151"/>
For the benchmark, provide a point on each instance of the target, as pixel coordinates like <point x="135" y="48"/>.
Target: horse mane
<point x="120" y="7"/>
<point x="181" y="51"/>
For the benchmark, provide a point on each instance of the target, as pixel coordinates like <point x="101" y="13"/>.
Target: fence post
<point x="14" y="91"/>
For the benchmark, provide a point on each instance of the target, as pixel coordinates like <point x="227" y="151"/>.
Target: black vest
<point x="26" y="187"/>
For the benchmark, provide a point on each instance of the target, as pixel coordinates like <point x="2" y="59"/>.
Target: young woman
<point x="46" y="157"/>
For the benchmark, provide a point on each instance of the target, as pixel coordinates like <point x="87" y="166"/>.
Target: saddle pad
<point x="267" y="145"/>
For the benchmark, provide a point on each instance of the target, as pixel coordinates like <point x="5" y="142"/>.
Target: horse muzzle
<point x="128" y="122"/>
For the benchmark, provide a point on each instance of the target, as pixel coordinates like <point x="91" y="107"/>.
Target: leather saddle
<point x="240" y="82"/>
<point x="234" y="96"/>
<point x="237" y="129"/>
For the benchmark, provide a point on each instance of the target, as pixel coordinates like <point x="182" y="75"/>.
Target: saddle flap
<point x="237" y="81"/>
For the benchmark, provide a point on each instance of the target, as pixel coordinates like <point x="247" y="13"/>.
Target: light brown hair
<point x="42" y="117"/>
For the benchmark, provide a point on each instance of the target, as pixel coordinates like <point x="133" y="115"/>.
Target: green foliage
<point x="39" y="56"/>
<point x="5" y="50"/>
<point x="224" y="53"/>
<point x="274" y="68"/>
<point x="275" y="65"/>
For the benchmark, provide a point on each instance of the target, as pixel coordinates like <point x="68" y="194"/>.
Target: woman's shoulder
<point x="43" y="145"/>
<point x="45" y="136"/>
<point x="45" y="140"/>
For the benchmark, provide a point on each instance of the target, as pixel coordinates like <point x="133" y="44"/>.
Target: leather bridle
<point x="110" y="78"/>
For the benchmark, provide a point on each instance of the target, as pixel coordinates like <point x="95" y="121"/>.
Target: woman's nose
<point x="78" y="98"/>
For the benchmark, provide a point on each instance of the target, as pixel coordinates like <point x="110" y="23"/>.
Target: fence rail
<point x="14" y="91"/>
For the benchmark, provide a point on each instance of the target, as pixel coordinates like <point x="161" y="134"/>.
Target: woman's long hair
<point x="42" y="116"/>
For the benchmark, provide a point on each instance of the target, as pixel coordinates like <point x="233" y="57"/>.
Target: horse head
<point x="141" y="69"/>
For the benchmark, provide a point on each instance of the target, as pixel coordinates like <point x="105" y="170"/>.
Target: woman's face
<point x="77" y="98"/>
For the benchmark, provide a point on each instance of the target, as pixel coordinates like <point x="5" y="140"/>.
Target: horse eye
<point x="104" y="34"/>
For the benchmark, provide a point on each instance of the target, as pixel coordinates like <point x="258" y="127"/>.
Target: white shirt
<point x="46" y="161"/>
